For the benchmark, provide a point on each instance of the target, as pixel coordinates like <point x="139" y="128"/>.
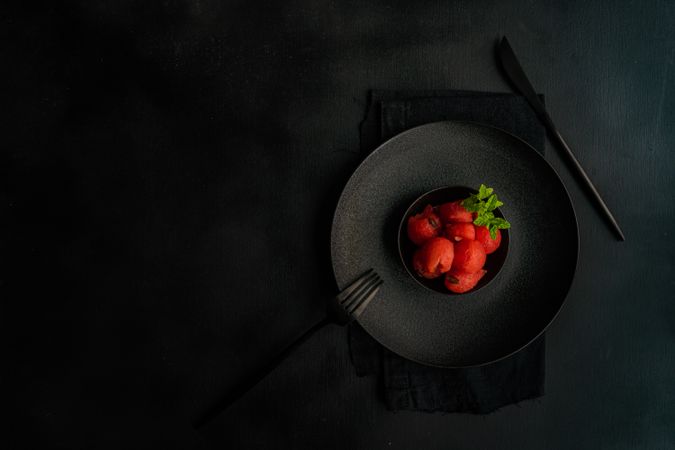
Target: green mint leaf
<point x="483" y="203"/>
<point x="471" y="204"/>
<point x="498" y="222"/>
<point x="493" y="232"/>
<point x="484" y="192"/>
<point x="491" y="203"/>
<point x="482" y="220"/>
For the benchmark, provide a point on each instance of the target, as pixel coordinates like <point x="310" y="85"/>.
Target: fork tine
<point x="359" y="307"/>
<point x="359" y="292"/>
<point x="355" y="285"/>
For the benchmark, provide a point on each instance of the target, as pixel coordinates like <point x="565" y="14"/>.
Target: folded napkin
<point x="409" y="385"/>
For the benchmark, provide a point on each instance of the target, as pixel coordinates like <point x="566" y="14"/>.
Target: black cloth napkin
<point x="408" y="385"/>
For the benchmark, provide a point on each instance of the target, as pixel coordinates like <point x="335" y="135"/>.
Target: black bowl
<point x="406" y="248"/>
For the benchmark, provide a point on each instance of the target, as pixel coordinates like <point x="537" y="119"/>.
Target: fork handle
<point x="247" y="384"/>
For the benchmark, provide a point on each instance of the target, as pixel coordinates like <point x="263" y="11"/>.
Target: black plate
<point x="518" y="304"/>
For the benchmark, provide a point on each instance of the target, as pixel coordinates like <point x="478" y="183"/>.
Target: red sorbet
<point x="434" y="258"/>
<point x="469" y="256"/>
<point x="454" y="212"/>
<point x="424" y="226"/>
<point x="460" y="282"/>
<point x="489" y="244"/>
<point x="459" y="231"/>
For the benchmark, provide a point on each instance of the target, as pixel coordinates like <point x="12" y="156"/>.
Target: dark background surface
<point x="169" y="171"/>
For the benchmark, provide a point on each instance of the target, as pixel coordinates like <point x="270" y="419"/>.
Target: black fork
<point x="342" y="309"/>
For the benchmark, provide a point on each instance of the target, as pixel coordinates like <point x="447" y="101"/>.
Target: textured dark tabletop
<point x="169" y="171"/>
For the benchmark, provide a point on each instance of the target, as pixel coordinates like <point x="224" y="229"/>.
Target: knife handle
<point x="556" y="136"/>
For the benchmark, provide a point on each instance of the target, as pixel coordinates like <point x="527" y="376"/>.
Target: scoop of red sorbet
<point x="460" y="231"/>
<point x="483" y="236"/>
<point x="469" y="256"/>
<point x="424" y="226"/>
<point x="454" y="212"/>
<point x="460" y="282"/>
<point x="434" y="258"/>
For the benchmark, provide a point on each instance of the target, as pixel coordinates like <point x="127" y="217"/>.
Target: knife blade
<point x="517" y="76"/>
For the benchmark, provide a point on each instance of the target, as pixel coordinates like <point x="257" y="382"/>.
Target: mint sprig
<point x="483" y="203"/>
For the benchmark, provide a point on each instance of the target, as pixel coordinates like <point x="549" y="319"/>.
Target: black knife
<point x="517" y="76"/>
